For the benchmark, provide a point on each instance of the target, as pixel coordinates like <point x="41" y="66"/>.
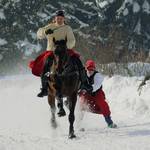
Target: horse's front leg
<point x="51" y="101"/>
<point x="72" y="103"/>
<point x="61" y="111"/>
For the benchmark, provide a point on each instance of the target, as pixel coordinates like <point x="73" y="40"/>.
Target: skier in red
<point x="95" y="101"/>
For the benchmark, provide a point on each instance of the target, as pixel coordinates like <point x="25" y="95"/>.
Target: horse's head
<point x="60" y="47"/>
<point x="60" y="53"/>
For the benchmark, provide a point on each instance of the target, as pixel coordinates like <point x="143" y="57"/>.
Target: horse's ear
<point x="54" y="40"/>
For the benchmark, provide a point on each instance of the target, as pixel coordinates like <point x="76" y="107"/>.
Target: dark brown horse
<point x="63" y="82"/>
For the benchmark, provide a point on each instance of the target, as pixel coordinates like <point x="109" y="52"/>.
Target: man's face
<point x="59" y="20"/>
<point x="90" y="72"/>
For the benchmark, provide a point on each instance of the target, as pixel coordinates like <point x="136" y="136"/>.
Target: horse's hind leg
<point x="51" y="101"/>
<point x="72" y="103"/>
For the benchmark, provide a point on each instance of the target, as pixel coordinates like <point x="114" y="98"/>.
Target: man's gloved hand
<point x="90" y="89"/>
<point x="49" y="31"/>
<point x="93" y="93"/>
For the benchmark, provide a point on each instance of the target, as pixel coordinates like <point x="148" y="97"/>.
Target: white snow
<point x="2" y="42"/>
<point x="86" y="12"/>
<point x="67" y="5"/>
<point x="85" y="36"/>
<point x="28" y="47"/>
<point x="81" y="23"/>
<point x="16" y="1"/>
<point x="88" y="3"/>
<point x="126" y="69"/>
<point x="123" y="8"/>
<point x="136" y="7"/>
<point x="146" y="7"/>
<point x="104" y="3"/>
<point x="42" y="15"/>
<point x="1" y="57"/>
<point x="15" y="23"/>
<point x="2" y="16"/>
<point x="132" y="44"/>
<point x="33" y="34"/>
<point x="138" y="27"/>
<point x="125" y="12"/>
<point x="25" y="119"/>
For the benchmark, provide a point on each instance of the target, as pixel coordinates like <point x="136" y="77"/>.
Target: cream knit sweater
<point x="61" y="32"/>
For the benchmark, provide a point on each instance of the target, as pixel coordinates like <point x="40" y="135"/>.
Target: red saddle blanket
<point x="37" y="65"/>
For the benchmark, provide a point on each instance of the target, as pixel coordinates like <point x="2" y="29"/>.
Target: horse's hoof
<point x="54" y="124"/>
<point x="61" y="113"/>
<point x="72" y="136"/>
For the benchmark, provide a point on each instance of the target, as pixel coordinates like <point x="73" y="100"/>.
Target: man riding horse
<point x="58" y="31"/>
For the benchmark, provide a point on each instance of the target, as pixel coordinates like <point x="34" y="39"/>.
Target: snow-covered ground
<point x="25" y="119"/>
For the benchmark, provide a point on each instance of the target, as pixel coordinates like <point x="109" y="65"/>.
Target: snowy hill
<point x="25" y="119"/>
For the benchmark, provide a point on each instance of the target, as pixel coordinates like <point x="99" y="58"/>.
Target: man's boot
<point x="44" y="81"/>
<point x="61" y="111"/>
<point x="44" y="77"/>
<point x="110" y="122"/>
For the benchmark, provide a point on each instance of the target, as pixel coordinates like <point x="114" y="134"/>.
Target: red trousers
<point x="96" y="104"/>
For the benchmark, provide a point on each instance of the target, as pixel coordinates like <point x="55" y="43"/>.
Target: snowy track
<point x="25" y="119"/>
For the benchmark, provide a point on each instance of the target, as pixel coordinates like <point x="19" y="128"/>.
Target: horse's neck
<point x="60" y="62"/>
<point x="65" y="58"/>
<point x="54" y="67"/>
